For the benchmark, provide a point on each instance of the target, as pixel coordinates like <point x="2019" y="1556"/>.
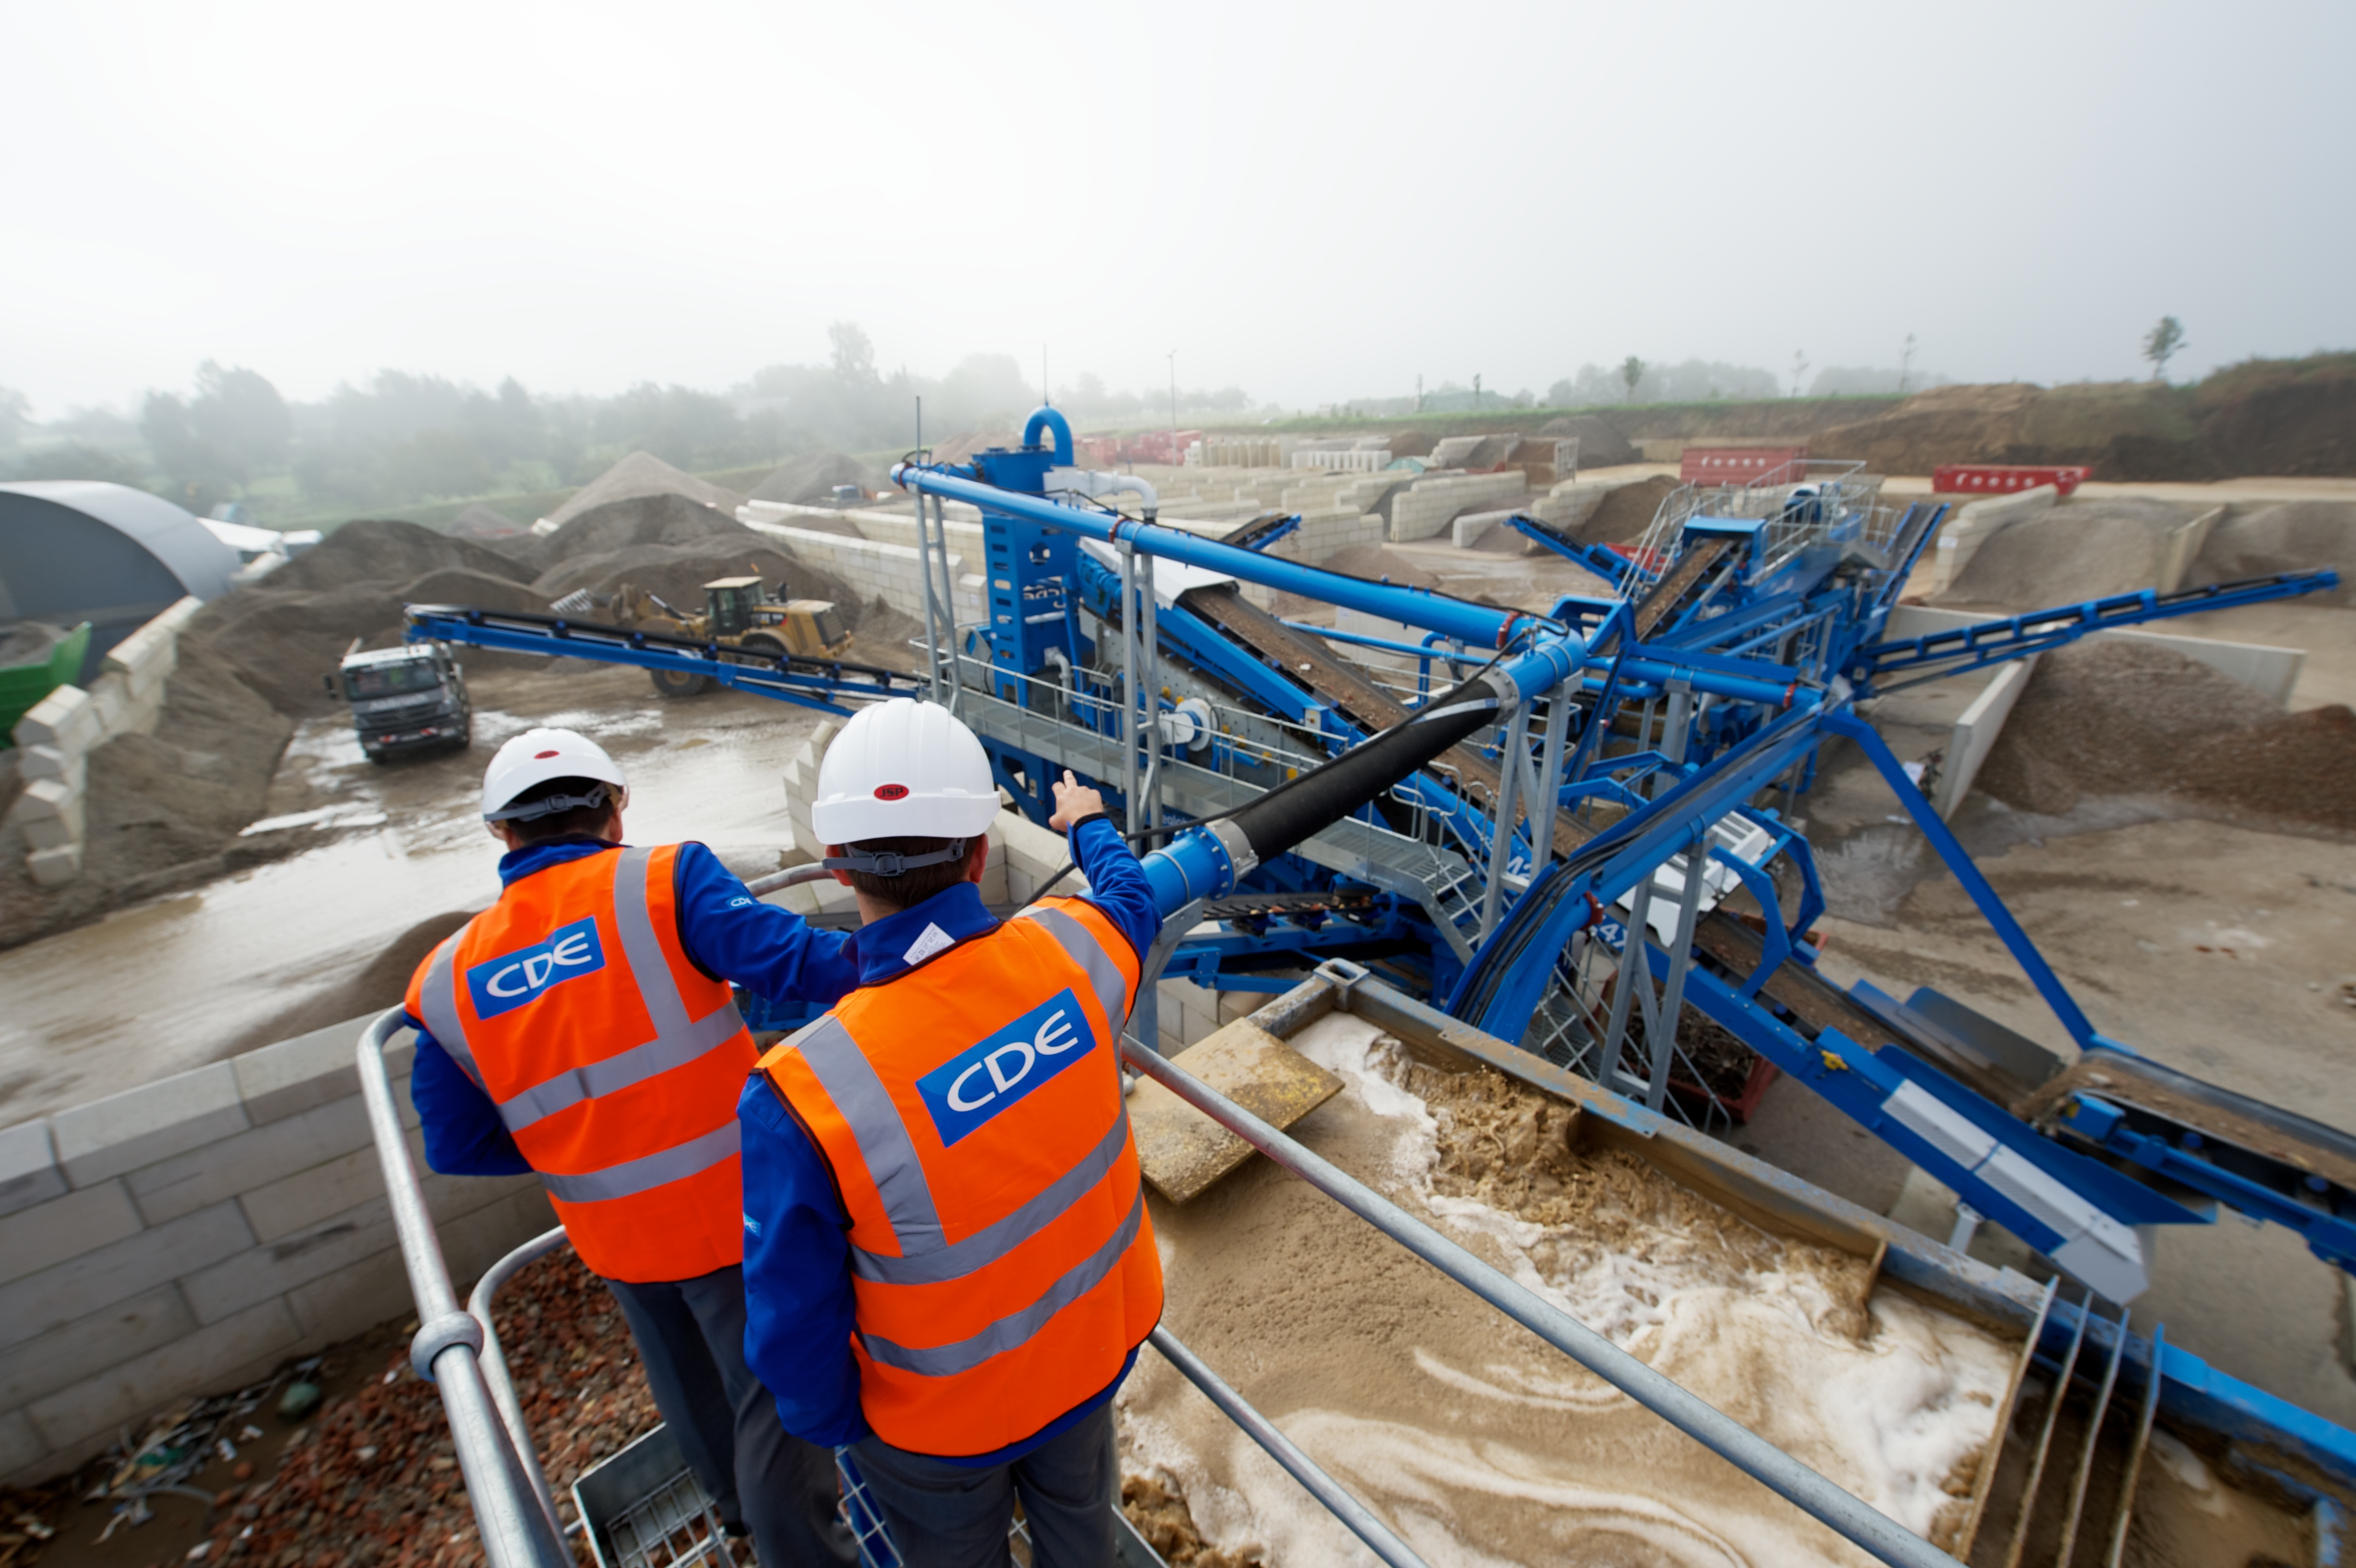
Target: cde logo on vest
<point x="502" y="983"/>
<point x="984" y="1080"/>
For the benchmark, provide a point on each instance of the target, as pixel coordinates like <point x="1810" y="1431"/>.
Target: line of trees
<point x="402" y="438"/>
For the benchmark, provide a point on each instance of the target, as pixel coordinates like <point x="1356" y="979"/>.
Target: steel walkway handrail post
<point x="494" y="1358"/>
<point x="1875" y="1531"/>
<point x="1338" y="1502"/>
<point x="517" y="1531"/>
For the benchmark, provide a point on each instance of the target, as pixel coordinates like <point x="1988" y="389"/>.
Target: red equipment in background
<point x="1734" y="465"/>
<point x="2003" y="478"/>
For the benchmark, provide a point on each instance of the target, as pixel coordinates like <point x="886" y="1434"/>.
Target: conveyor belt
<point x="1680" y="580"/>
<point x="1341" y="682"/>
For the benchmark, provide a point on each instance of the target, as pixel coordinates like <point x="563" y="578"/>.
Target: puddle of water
<point x="158" y="988"/>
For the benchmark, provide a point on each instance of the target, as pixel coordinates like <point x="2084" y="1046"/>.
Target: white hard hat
<point x="537" y="756"/>
<point x="903" y="769"/>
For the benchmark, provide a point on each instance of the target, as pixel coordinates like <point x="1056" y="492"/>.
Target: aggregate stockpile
<point x="166" y="809"/>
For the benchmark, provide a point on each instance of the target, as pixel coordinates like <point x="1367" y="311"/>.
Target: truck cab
<point x="407" y="698"/>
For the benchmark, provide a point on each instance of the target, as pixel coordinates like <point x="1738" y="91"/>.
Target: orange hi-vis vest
<point x="1003" y="1265"/>
<point x="614" y="1062"/>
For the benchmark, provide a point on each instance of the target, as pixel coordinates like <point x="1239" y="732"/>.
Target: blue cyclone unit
<point x="1676" y="720"/>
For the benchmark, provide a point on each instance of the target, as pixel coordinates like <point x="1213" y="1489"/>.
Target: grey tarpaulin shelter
<point x="78" y="550"/>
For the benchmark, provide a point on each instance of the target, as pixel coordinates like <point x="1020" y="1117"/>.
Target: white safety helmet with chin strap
<point x="903" y="769"/>
<point x="537" y="756"/>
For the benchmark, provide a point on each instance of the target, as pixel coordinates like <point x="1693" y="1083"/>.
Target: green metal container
<point x="23" y="685"/>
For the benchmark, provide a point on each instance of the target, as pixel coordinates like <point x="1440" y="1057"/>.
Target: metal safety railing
<point x="509" y="1497"/>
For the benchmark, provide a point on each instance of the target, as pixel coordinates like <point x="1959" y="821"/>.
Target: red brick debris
<point x="371" y="1481"/>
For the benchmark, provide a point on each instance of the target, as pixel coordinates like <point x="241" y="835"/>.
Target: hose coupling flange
<point x="432" y="1339"/>
<point x="1241" y="857"/>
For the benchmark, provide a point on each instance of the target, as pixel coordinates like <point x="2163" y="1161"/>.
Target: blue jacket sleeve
<point x="771" y="952"/>
<point x="1117" y="883"/>
<point x="799" y="1312"/>
<point x="463" y="1134"/>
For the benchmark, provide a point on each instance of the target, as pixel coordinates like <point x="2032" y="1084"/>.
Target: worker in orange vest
<point x="947" y="1255"/>
<point x="583" y="1027"/>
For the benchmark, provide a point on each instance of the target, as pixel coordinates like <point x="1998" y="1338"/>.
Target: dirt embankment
<point x="2126" y="717"/>
<point x="2279" y="417"/>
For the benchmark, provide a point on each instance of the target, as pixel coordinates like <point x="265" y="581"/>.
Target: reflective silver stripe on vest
<point x="644" y="1174"/>
<point x="438" y="999"/>
<point x="850" y="1081"/>
<point x="1016" y="1327"/>
<point x="636" y="1065"/>
<point x="955" y="1260"/>
<point x="678" y="1039"/>
<point x="1084" y="949"/>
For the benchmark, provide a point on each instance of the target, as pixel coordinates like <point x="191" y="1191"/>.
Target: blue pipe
<point x="1050" y="418"/>
<point x="1475" y="624"/>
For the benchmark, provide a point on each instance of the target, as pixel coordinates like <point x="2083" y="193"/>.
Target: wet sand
<point x="1476" y="1441"/>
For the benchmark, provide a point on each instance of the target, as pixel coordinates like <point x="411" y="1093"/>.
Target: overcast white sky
<point x="1313" y="202"/>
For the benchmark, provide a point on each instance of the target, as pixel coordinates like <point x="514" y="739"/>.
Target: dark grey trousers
<point x="691" y="1334"/>
<point x="953" y="1515"/>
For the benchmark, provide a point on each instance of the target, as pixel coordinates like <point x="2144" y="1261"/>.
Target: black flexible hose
<point x="1317" y="799"/>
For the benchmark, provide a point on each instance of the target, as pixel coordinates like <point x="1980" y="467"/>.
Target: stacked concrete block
<point x="62" y="731"/>
<point x="1432" y="501"/>
<point x="190" y="1234"/>
<point x="869" y="568"/>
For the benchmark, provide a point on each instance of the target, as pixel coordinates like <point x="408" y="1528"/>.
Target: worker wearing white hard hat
<point x="947" y="1256"/>
<point x="583" y="1027"/>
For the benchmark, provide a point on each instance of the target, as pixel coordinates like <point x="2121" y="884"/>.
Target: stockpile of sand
<point x="630" y="523"/>
<point x="2291" y="536"/>
<point x="286" y="632"/>
<point x="2080" y="549"/>
<point x="1375" y="564"/>
<point x="1475" y="1440"/>
<point x="1626" y="512"/>
<point x="383" y="552"/>
<point x="1600" y="445"/>
<point x="1411" y="443"/>
<point x="814" y="477"/>
<point x="960" y="448"/>
<point x="487" y="525"/>
<point x="2123" y="717"/>
<point x="642" y="474"/>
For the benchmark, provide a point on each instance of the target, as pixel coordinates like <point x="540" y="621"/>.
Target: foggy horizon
<point x="1315" y="209"/>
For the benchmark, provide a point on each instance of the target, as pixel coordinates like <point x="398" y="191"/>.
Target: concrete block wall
<point x="872" y="570"/>
<point x="62" y="731"/>
<point x="192" y="1234"/>
<point x="2182" y="548"/>
<point x="1429" y="504"/>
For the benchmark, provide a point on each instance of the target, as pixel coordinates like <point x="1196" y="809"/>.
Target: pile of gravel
<point x="814" y="477"/>
<point x="2080" y="549"/>
<point x="2124" y="717"/>
<point x="2290" y="535"/>
<point x="641" y="475"/>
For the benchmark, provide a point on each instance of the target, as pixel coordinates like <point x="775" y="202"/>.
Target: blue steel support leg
<point x="1951" y="850"/>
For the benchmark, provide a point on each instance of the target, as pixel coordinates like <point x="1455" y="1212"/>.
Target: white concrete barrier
<point x="2182" y="548"/>
<point x="1975" y="731"/>
<point x="1430" y="504"/>
<point x="70" y="722"/>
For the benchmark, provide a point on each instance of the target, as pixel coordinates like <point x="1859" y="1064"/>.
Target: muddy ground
<point x="378" y="863"/>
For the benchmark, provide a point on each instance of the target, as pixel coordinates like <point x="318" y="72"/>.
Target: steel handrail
<point x="494" y="1360"/>
<point x="517" y="1531"/>
<point x="1359" y="1520"/>
<point x="1847" y="1514"/>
